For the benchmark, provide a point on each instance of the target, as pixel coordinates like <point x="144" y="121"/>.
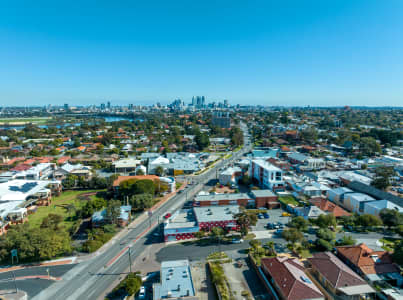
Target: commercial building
<point x="375" y="207"/>
<point x="125" y="165"/>
<point x="337" y="278"/>
<point x="217" y="216"/>
<point x="267" y="175"/>
<point x="355" y="202"/>
<point x="181" y="225"/>
<point x="176" y="281"/>
<point x="256" y="198"/>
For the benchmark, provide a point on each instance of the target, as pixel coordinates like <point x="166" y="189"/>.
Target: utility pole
<point x="130" y="260"/>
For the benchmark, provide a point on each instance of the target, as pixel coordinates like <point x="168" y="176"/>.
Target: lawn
<point x="388" y="244"/>
<point x="288" y="200"/>
<point x="58" y="207"/>
<point x="24" y="120"/>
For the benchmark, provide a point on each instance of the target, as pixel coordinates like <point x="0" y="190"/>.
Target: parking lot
<point x="275" y="216"/>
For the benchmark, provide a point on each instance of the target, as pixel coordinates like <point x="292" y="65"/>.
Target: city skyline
<point x="256" y="53"/>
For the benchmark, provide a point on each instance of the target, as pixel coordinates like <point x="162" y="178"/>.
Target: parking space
<point x="202" y="283"/>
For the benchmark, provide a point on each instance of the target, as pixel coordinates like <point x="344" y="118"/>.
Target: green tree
<point x="367" y="221"/>
<point x="391" y="217"/>
<point x="141" y="201"/>
<point x="347" y="240"/>
<point x="324" y="245"/>
<point x="326" y="234"/>
<point x="398" y="253"/>
<point x="70" y="181"/>
<point x="52" y="221"/>
<point x="113" y="211"/>
<point x="326" y="220"/>
<point x="217" y="233"/>
<point x="299" y="223"/>
<point x="382" y="177"/>
<point x="159" y="171"/>
<point x="292" y="235"/>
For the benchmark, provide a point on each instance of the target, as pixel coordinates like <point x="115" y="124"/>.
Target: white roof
<point x="265" y="165"/>
<point x="19" y="190"/>
<point x="160" y="161"/>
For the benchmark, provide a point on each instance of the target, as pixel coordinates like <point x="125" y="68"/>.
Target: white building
<point x="230" y="175"/>
<point x="375" y="207"/>
<point x="268" y="175"/>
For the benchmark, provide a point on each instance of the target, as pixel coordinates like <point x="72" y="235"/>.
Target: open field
<point x="22" y="121"/>
<point x="58" y="206"/>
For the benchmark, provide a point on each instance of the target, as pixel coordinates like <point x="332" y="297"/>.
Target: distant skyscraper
<point x="193" y="101"/>
<point x="66" y="106"/>
<point x="108" y="105"/>
<point x="226" y="103"/>
<point x="102" y="106"/>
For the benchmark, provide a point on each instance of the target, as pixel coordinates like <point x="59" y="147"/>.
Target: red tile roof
<point x="21" y="167"/>
<point x="328" y="206"/>
<point x="367" y="260"/>
<point x="290" y="278"/>
<point x="63" y="159"/>
<point x="334" y="270"/>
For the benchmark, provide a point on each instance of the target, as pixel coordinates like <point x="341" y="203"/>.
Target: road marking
<point x="123" y="251"/>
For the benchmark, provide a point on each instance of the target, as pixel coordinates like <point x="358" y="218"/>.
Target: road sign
<point x="14" y="253"/>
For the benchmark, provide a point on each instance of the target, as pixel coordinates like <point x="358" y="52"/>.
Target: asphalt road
<point x="89" y="279"/>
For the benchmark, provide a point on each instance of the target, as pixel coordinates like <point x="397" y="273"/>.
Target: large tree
<point x="382" y="177"/>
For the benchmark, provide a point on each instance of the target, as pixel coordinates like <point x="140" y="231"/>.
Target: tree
<point x="202" y="140"/>
<point x="382" y="177"/>
<point x="369" y="146"/>
<point x="70" y="181"/>
<point x="216" y="233"/>
<point x="347" y="240"/>
<point x="326" y="220"/>
<point x="292" y="235"/>
<point x="398" y="253"/>
<point x="52" y="221"/>
<point x="113" y="211"/>
<point x="326" y="234"/>
<point x="244" y="220"/>
<point x="270" y="245"/>
<point x="367" y="220"/>
<point x="324" y="245"/>
<point x="299" y="223"/>
<point x="141" y="201"/>
<point x="159" y="170"/>
<point x="391" y="217"/>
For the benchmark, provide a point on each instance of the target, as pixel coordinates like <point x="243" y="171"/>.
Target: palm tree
<point x="271" y="246"/>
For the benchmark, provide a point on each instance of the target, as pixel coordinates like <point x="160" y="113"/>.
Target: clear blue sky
<point x="332" y="52"/>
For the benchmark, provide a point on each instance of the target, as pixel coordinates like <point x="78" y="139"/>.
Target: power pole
<point x="130" y="260"/>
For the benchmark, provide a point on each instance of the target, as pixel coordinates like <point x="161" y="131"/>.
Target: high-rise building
<point x="221" y="119"/>
<point x="108" y="105"/>
<point x="66" y="106"/>
<point x="102" y="106"/>
<point x="193" y="101"/>
<point x="226" y="103"/>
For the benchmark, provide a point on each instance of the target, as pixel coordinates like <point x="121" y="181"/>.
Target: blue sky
<point x="333" y="52"/>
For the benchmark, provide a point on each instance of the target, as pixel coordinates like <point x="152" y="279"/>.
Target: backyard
<point x="64" y="205"/>
<point x="288" y="200"/>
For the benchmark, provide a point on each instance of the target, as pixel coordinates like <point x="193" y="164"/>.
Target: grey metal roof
<point x="374" y="192"/>
<point x="216" y="213"/>
<point x="217" y="197"/>
<point x="262" y="193"/>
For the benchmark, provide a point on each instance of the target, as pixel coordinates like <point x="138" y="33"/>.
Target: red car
<point x="168" y="215"/>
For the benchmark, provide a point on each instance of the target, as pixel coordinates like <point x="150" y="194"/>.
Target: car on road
<point x="142" y="292"/>
<point x="180" y="191"/>
<point x="167" y="215"/>
<point x="236" y="241"/>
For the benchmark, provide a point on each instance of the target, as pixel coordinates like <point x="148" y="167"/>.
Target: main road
<point x="90" y="278"/>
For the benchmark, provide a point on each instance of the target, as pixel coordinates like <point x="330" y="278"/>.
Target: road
<point x="89" y="279"/>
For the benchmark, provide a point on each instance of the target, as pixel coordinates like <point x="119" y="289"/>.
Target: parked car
<point x="260" y="216"/>
<point x="142" y="292"/>
<point x="266" y="215"/>
<point x="269" y="226"/>
<point x="167" y="215"/>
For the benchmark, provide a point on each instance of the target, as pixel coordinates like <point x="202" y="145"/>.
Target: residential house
<point x="286" y="279"/>
<point x="372" y="265"/>
<point x="337" y="279"/>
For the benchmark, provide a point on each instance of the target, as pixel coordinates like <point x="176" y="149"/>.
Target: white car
<point x="142" y="293"/>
